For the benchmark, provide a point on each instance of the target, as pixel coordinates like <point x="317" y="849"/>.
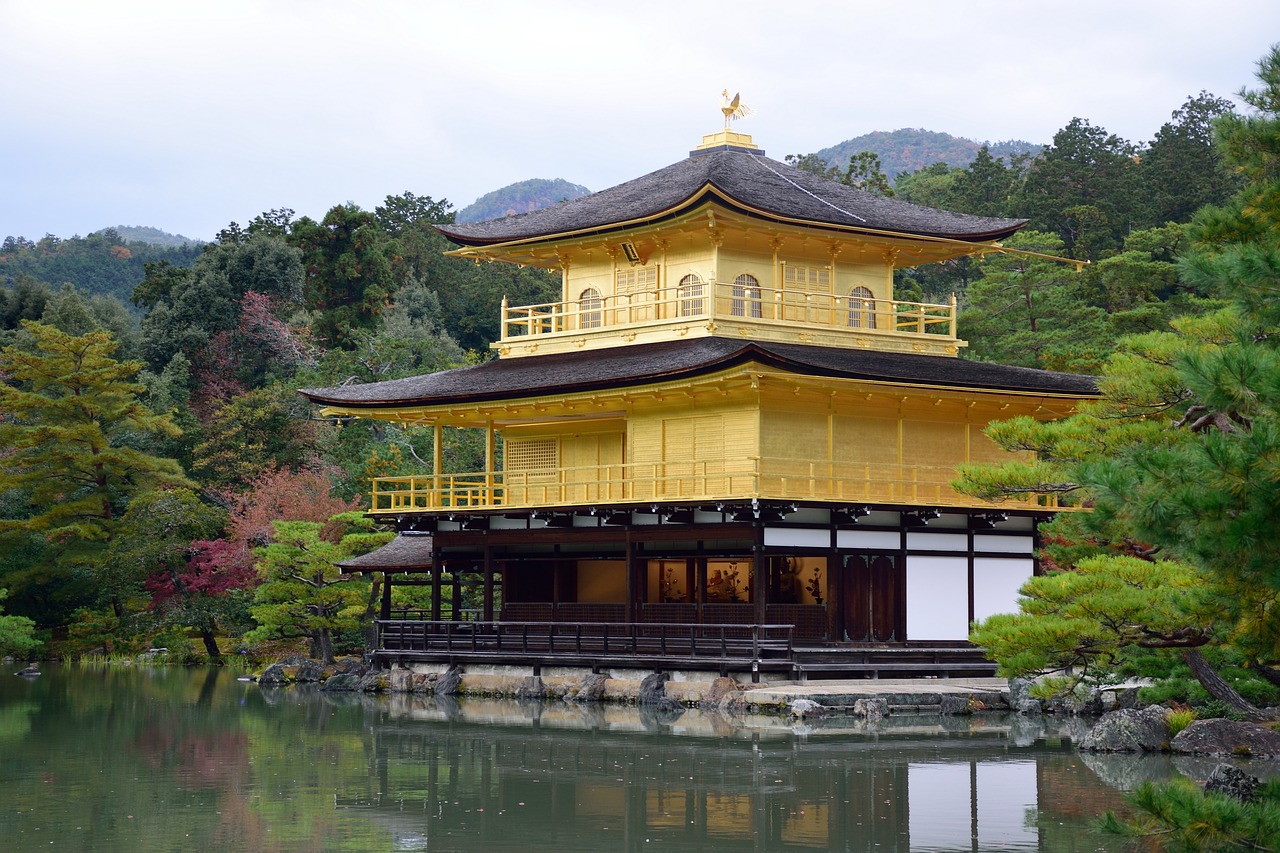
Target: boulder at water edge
<point x="1227" y="737"/>
<point x="1142" y="730"/>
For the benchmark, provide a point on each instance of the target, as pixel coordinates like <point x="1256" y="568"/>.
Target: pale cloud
<point x="187" y="115"/>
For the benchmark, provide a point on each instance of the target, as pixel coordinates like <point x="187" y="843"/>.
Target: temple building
<point x="727" y="446"/>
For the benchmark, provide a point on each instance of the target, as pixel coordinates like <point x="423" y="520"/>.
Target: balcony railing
<point x="781" y="479"/>
<point x="724" y="302"/>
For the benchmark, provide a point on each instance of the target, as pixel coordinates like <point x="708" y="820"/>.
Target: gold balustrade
<point x="715" y="480"/>
<point x="724" y="302"/>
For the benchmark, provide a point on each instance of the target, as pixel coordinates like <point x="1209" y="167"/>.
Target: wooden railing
<point x="588" y="640"/>
<point x="723" y="301"/>
<point x="755" y="477"/>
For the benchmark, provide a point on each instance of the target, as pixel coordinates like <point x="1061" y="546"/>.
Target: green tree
<point x="1178" y="457"/>
<point x="302" y="593"/>
<point x="75" y="432"/>
<point x="17" y="633"/>
<point x="349" y="262"/>
<point x="154" y="535"/>
<point x="1182" y="170"/>
<point x="1082" y="184"/>
<point x="1028" y="311"/>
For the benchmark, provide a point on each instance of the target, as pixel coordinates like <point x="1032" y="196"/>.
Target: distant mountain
<point x="521" y="197"/>
<point x="908" y="149"/>
<point x="154" y="236"/>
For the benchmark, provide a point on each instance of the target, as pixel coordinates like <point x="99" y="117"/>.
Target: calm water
<point x="166" y="759"/>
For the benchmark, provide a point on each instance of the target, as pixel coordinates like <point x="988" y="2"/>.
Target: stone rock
<point x="531" y="688"/>
<point x="1019" y="690"/>
<point x="424" y="682"/>
<point x="1233" y="782"/>
<point x="1030" y="707"/>
<point x="1227" y="737"/>
<point x="448" y="682"/>
<point x="875" y="708"/>
<point x="1129" y="731"/>
<point x="806" y="709"/>
<point x="592" y="689"/>
<point x="1119" y="698"/>
<point x="715" y="694"/>
<point x="343" y="682"/>
<point x="347" y="666"/>
<point x="953" y="705"/>
<point x="293" y="660"/>
<point x="400" y="680"/>
<point x="378" y="681"/>
<point x="309" y="671"/>
<point x="275" y="674"/>
<point x="653" y="689"/>
<point x="29" y="671"/>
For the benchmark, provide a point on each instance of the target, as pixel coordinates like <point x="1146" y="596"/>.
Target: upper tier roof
<point x="742" y="178"/>
<point x="564" y="373"/>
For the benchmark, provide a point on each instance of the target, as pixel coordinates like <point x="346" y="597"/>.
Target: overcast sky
<point x="188" y="114"/>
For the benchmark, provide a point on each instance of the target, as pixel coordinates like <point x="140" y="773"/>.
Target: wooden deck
<point x="722" y="648"/>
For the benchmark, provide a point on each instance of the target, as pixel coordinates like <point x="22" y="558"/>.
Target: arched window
<point x="690" y="294"/>
<point x="862" y="309"/>
<point x="590" y="315"/>
<point x="746" y="297"/>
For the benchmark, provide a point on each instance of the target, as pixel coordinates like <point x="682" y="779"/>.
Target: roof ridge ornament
<point x="733" y="108"/>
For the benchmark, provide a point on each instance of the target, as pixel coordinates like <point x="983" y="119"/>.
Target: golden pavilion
<point x="727" y="446"/>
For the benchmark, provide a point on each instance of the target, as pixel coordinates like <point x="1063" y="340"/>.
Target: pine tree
<point x="75" y="438"/>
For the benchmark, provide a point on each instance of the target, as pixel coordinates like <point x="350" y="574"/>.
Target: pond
<point x="158" y="759"/>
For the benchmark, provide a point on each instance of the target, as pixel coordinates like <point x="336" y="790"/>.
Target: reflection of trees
<point x="202" y="761"/>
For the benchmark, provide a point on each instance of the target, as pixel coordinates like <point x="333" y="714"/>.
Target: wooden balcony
<point x="785" y="316"/>
<point x="711" y="480"/>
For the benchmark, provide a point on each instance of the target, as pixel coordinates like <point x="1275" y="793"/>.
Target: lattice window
<point x="862" y="309"/>
<point x="536" y="460"/>
<point x="807" y="278"/>
<point x="692" y="301"/>
<point x="589" y="304"/>
<point x="636" y="280"/>
<point x="746" y="297"/>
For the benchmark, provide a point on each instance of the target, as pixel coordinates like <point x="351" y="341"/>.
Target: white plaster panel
<point x="938" y="542"/>
<point x="1006" y="795"/>
<point x="937" y="598"/>
<point x="954" y="522"/>
<point x="939" y="805"/>
<point x="880" y="540"/>
<point x="995" y="584"/>
<point x="797" y="537"/>
<point x="1003" y="544"/>
<point x="498" y="522"/>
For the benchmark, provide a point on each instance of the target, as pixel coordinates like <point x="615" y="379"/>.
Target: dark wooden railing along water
<point x="668" y="645"/>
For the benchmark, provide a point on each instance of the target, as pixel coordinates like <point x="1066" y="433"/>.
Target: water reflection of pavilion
<point x="465" y="785"/>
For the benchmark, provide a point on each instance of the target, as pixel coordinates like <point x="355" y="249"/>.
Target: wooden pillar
<point x="436" y="571"/>
<point x="633" y="585"/>
<point x="487" y="615"/>
<point x="437" y="456"/>
<point x="759" y="579"/>
<point x="456" y="598"/>
<point x="489" y="455"/>
<point x="385" y="611"/>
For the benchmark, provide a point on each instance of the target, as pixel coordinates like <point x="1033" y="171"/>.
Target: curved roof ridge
<point x="616" y="367"/>
<point x="752" y="180"/>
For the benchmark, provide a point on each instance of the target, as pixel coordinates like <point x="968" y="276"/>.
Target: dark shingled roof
<point x="406" y="551"/>
<point x="752" y="180"/>
<point x="562" y="373"/>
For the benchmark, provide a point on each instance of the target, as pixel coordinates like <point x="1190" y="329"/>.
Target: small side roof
<point x="408" y="552"/>
<point x="531" y="376"/>
<point x="736" y="175"/>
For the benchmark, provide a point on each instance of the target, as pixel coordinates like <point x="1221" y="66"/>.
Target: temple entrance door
<point x="875" y="598"/>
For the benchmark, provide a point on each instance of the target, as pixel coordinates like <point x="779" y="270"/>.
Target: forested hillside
<point x="147" y="512"/>
<point x="910" y="149"/>
<point x="521" y="197"/>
